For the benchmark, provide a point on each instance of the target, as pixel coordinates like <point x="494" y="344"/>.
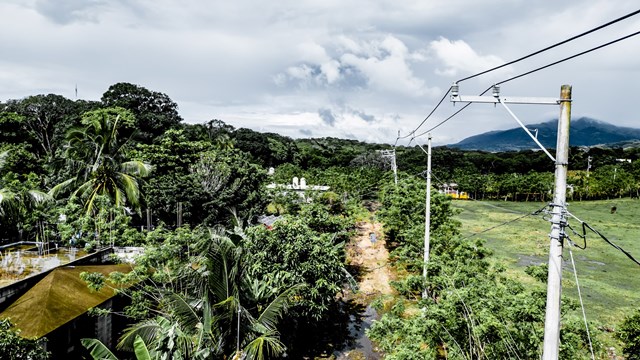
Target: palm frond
<point x="98" y="350"/>
<point x="266" y="345"/>
<point x="39" y="197"/>
<point x="185" y="311"/>
<point x="3" y="158"/>
<point x="140" y="349"/>
<point x="130" y="186"/>
<point x="147" y="330"/>
<point x="62" y="187"/>
<point x="136" y="168"/>
<point x="6" y="195"/>
<point x="270" y="315"/>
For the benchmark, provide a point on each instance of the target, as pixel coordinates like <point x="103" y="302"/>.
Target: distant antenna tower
<point x="76" y="91"/>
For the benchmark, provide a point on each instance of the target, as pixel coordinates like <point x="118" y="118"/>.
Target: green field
<point x="609" y="281"/>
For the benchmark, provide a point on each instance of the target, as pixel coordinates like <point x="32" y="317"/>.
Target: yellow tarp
<point x="57" y="299"/>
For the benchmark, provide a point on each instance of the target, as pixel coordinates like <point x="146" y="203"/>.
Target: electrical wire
<point x="523" y="74"/>
<point x="450" y="117"/>
<point x="587" y="226"/>
<point x="553" y="46"/>
<point x="537" y="212"/>
<point x="425" y="119"/>
<point x="584" y="314"/>
<point x="569" y="57"/>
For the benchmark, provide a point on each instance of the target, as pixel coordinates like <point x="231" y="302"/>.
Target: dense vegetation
<point x="473" y="310"/>
<point x="216" y="283"/>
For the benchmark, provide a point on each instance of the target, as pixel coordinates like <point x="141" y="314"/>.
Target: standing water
<point x="361" y="347"/>
<point x="21" y="261"/>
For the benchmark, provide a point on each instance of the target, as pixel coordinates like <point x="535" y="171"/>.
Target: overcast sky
<point x="313" y="68"/>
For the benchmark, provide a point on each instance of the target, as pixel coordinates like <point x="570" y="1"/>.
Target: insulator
<point x="454" y="89"/>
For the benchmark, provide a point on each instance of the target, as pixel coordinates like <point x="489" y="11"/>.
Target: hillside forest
<point x="216" y="283"/>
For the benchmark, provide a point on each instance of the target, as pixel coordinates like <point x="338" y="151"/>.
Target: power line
<point x="537" y="212"/>
<point x="425" y="119"/>
<point x="450" y="117"/>
<point x="553" y="46"/>
<point x="569" y="57"/>
<point x="584" y="224"/>
<point x="527" y="73"/>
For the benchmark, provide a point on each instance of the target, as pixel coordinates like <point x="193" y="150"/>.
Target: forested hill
<point x="584" y="132"/>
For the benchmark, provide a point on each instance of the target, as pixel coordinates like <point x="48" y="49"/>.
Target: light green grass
<point x="609" y="281"/>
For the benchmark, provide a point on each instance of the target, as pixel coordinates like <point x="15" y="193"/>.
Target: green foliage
<point x="629" y="333"/>
<point x="15" y="347"/>
<point x="172" y="155"/>
<point x="232" y="184"/>
<point x="473" y="311"/>
<point x="292" y="252"/>
<point x="538" y="272"/>
<point x="154" y="111"/>
<point x="97" y="158"/>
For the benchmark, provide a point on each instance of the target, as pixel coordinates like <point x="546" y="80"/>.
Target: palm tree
<point x="214" y="308"/>
<point x="97" y="155"/>
<point x="6" y="195"/>
<point x="13" y="202"/>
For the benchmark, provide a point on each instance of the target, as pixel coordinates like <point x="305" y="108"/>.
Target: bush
<point x="629" y="333"/>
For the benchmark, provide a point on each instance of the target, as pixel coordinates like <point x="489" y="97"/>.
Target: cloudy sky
<point x="312" y="68"/>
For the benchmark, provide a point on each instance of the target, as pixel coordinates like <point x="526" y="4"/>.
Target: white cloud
<point x="377" y="66"/>
<point x="459" y="57"/>
<point x="385" y="64"/>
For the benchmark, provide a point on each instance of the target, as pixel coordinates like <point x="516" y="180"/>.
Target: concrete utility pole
<point x="558" y="221"/>
<point x="427" y="218"/>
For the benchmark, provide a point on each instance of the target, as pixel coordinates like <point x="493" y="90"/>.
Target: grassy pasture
<point x="609" y="281"/>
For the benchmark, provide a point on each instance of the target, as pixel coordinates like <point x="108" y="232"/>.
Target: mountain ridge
<point x="584" y="131"/>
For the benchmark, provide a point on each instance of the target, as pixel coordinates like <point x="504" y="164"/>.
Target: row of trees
<point x="196" y="293"/>
<point x="473" y="309"/>
<point x="126" y="161"/>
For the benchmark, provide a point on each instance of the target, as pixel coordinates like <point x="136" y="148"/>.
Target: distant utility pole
<point x="589" y="164"/>
<point x="558" y="220"/>
<point x="391" y="155"/>
<point x="427" y="218"/>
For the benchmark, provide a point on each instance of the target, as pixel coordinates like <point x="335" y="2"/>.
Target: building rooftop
<point x="58" y="298"/>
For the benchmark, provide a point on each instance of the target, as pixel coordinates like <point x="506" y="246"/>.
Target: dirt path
<point x="368" y="252"/>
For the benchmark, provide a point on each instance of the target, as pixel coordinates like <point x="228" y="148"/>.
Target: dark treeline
<point x="82" y="172"/>
<point x="34" y="142"/>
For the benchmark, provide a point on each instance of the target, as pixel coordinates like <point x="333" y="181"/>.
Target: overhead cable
<point x="529" y="73"/>
<point x="605" y="238"/>
<point x="584" y="314"/>
<point x="425" y="119"/>
<point x="553" y="46"/>
<point x="450" y="117"/>
<point x="569" y="57"/>
<point x="537" y="212"/>
<point x="520" y="59"/>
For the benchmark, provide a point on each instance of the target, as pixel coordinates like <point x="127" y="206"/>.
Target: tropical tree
<point x="15" y="347"/>
<point x="97" y="156"/>
<point x="204" y="303"/>
<point x="19" y="196"/>
<point x="154" y="111"/>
